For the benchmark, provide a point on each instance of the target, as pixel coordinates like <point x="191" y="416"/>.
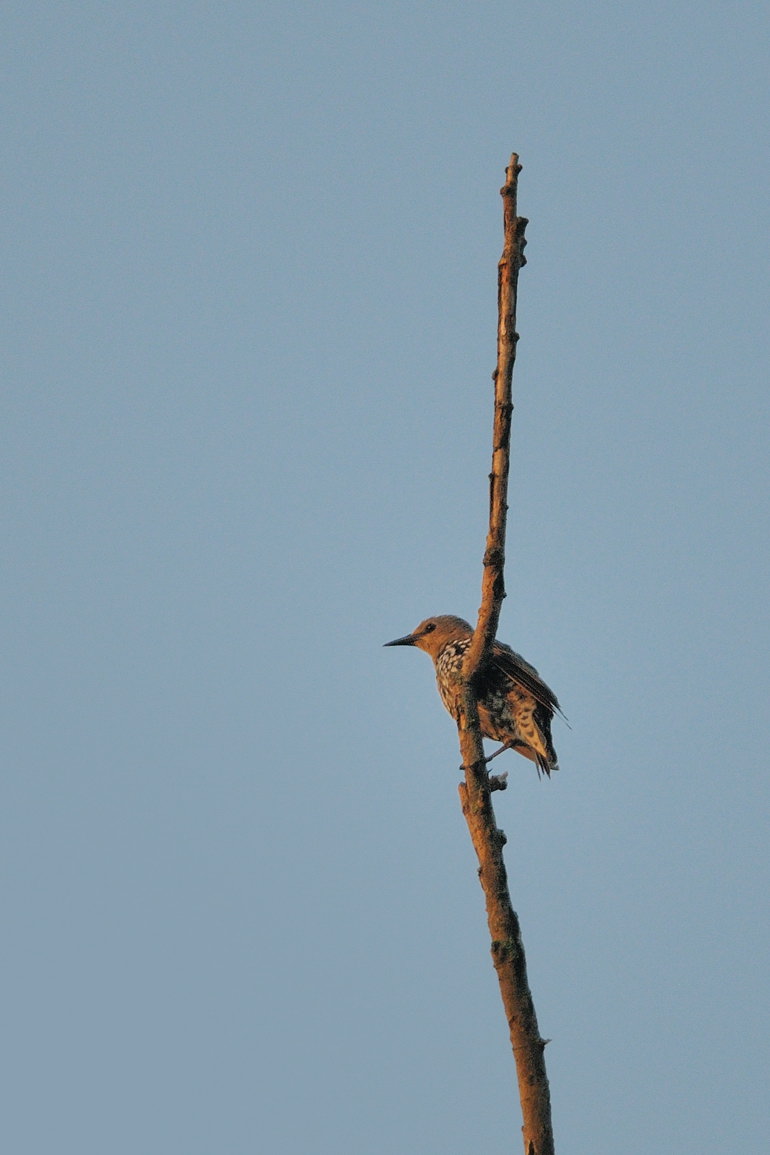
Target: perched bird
<point x="515" y="705"/>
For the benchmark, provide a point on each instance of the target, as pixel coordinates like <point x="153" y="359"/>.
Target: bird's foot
<point x="485" y="761"/>
<point x="507" y="746"/>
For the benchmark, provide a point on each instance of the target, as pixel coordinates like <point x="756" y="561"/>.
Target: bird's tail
<point x="546" y="765"/>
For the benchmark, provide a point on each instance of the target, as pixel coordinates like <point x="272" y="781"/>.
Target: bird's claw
<point x="496" y="781"/>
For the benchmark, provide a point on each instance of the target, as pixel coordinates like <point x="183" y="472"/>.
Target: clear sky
<point x="250" y="256"/>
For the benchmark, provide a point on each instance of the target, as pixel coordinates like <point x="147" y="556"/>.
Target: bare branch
<point x="488" y="840"/>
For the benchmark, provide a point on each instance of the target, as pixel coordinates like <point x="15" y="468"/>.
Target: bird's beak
<point x="407" y="641"/>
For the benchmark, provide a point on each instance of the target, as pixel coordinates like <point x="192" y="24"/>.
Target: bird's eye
<point x="429" y="628"/>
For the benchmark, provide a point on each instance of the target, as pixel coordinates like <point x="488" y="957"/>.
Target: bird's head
<point x="435" y="633"/>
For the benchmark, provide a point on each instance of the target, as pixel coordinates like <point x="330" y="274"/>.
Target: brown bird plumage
<point x="515" y="705"/>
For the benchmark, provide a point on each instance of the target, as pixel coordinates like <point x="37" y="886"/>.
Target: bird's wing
<point x="504" y="659"/>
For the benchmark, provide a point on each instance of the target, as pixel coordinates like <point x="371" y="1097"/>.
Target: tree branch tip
<point x="512" y="170"/>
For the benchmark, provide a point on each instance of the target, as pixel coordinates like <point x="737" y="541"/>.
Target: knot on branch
<point x="479" y="772"/>
<point x="494" y="556"/>
<point x="503" y="950"/>
<point x="521" y="240"/>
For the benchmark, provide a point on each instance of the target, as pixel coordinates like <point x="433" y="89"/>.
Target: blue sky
<point x="249" y="332"/>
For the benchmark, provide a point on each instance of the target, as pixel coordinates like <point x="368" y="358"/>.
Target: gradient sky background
<point x="250" y="326"/>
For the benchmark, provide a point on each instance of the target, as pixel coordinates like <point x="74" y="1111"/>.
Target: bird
<point x="515" y="705"/>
